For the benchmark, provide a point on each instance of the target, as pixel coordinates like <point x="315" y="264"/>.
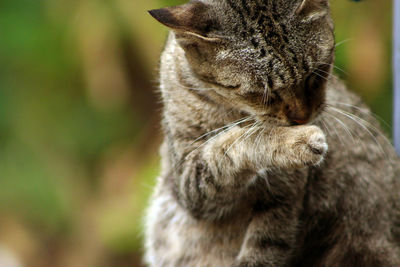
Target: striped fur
<point x="250" y="109"/>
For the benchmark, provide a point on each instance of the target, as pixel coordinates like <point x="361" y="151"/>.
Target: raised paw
<point x="309" y="146"/>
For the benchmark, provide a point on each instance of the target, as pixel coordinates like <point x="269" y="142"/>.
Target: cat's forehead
<point x="260" y="16"/>
<point x="255" y="16"/>
<point x="258" y="22"/>
<point x="271" y="35"/>
<point x="261" y="29"/>
<point x="249" y="10"/>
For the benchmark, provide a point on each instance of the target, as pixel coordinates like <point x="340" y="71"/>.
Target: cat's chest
<point x="185" y="241"/>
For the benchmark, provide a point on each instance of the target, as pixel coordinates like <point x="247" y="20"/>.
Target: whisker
<point x="265" y="97"/>
<point x="146" y="186"/>
<point x="237" y="140"/>
<point x="343" y="42"/>
<point x="231" y="125"/>
<point x="347" y="130"/>
<point x="334" y="66"/>
<point x="256" y="128"/>
<point x="328" y="73"/>
<point x="224" y="129"/>
<point x="252" y="130"/>
<point x="354" y="118"/>
<point x="259" y="137"/>
<point x="371" y="126"/>
<point x="240" y="137"/>
<point x="342" y="70"/>
<point x="370" y="114"/>
<point x="213" y="138"/>
<point x="324" y="125"/>
<point x="320" y="76"/>
<point x="336" y="132"/>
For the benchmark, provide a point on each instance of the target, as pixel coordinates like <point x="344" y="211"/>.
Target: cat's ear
<point x="310" y="10"/>
<point x="193" y="19"/>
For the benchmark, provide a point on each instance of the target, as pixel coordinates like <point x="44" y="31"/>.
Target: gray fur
<point x="267" y="160"/>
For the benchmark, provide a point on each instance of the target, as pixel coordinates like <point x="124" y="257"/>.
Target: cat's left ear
<point x="194" y="19"/>
<point x="310" y="10"/>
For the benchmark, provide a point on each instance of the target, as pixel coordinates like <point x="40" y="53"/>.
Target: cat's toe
<point x="305" y="146"/>
<point x="317" y="145"/>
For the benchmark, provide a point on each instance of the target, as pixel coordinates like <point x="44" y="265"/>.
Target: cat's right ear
<point x="310" y="10"/>
<point x="193" y="19"/>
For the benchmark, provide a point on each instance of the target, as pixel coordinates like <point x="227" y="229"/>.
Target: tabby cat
<point x="251" y="106"/>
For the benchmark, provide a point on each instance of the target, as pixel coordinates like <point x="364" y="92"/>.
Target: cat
<point x="268" y="160"/>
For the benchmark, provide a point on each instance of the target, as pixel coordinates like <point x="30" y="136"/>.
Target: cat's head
<point x="271" y="58"/>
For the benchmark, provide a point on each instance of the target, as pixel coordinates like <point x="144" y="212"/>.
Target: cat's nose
<point x="298" y="118"/>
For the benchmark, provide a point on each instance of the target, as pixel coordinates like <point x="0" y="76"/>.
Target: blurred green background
<point x="79" y="120"/>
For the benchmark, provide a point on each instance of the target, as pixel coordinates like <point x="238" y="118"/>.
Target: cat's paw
<point x="309" y="146"/>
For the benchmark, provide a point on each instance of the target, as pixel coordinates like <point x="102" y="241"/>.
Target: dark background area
<point x="79" y="120"/>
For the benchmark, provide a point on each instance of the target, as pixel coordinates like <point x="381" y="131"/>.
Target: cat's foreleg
<point x="271" y="235"/>
<point x="212" y="179"/>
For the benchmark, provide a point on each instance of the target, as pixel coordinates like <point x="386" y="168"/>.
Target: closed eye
<point x="231" y="87"/>
<point x="253" y="94"/>
<point x="213" y="82"/>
